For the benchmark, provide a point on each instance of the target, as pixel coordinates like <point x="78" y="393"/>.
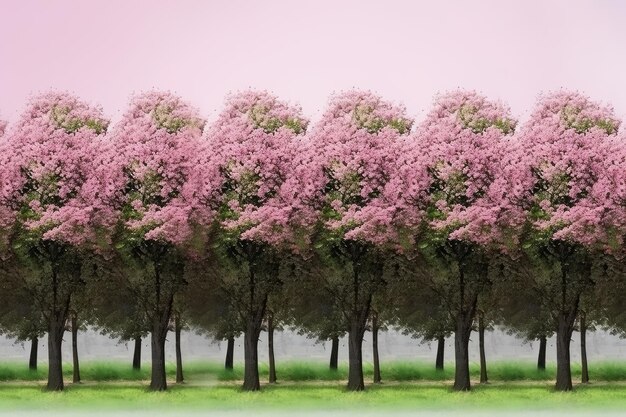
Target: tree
<point x="610" y="298"/>
<point x="114" y="305"/>
<point x="47" y="191"/>
<point x="212" y="312"/>
<point x="558" y="176"/>
<point x="342" y="174"/>
<point x="604" y="305"/>
<point x="146" y="179"/>
<point x="383" y="311"/>
<point x="524" y="312"/>
<point x="20" y="319"/>
<point x="419" y="311"/>
<point x="316" y="311"/>
<point x="487" y="315"/>
<point x="253" y="144"/>
<point x="177" y="326"/>
<point x="460" y="145"/>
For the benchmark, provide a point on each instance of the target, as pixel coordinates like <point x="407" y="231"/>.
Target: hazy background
<point x="289" y="345"/>
<point x="405" y="50"/>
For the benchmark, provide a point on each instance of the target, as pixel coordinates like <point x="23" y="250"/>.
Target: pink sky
<point x="406" y="51"/>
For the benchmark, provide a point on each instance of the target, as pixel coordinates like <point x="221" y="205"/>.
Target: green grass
<point x="296" y="371"/>
<point x="311" y="385"/>
<point x="320" y="396"/>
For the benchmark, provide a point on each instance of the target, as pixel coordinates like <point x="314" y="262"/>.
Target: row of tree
<point x="357" y="224"/>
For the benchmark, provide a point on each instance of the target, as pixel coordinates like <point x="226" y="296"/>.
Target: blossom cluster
<point x="363" y="172"/>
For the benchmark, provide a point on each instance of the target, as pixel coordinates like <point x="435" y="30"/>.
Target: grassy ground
<point x="399" y="371"/>
<point x="321" y="396"/>
<point x="311" y="386"/>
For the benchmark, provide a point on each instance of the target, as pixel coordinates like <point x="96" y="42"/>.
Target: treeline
<point x="359" y="223"/>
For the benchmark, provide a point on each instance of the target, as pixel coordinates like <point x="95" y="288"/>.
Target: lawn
<point x="311" y="386"/>
<point x="398" y="371"/>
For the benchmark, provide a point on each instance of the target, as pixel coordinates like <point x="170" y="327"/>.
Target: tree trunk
<point x="230" y="351"/>
<point x="461" y="355"/>
<point x="251" y="355"/>
<point x="55" y="367"/>
<point x="541" y="360"/>
<point x="334" y="353"/>
<point x="137" y="354"/>
<point x="158" y="381"/>
<point x="563" y="338"/>
<point x="32" y="361"/>
<point x="75" y="364"/>
<point x="441" y="345"/>
<point x="56" y="328"/>
<point x="377" y="378"/>
<point x="481" y="344"/>
<point x="355" y="355"/>
<point x="270" y="348"/>
<point x="179" y="356"/>
<point x="583" y="349"/>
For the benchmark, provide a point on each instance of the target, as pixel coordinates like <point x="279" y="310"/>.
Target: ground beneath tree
<point x="207" y="396"/>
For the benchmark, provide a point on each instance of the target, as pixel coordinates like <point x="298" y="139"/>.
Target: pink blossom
<point x="451" y="170"/>
<point x="344" y="175"/>
<point x="147" y="169"/>
<point x="252" y="146"/>
<point x="561" y="168"/>
<point x="48" y="160"/>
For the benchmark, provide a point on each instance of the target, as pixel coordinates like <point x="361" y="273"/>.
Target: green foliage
<point x="164" y="119"/>
<point x="60" y="116"/>
<point x="572" y="120"/>
<point x="364" y="119"/>
<point x="467" y="116"/>
<point x="269" y="124"/>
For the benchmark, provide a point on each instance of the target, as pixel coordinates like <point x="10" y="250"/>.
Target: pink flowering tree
<point x="562" y="175"/>
<point x="145" y="180"/>
<point x="609" y="193"/>
<point x="344" y="173"/>
<point x="46" y="198"/>
<point x="252" y="144"/>
<point x="451" y="173"/>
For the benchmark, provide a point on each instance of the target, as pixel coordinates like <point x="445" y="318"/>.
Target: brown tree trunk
<point x="158" y="381"/>
<point x="461" y="354"/>
<point x="160" y="326"/>
<point x="583" y="349"/>
<point x="75" y="364"/>
<point x="334" y="353"/>
<point x="463" y="329"/>
<point x="55" y="367"/>
<point x="137" y="354"/>
<point x="355" y="355"/>
<point x="481" y="344"/>
<point x="441" y="345"/>
<point x="230" y="351"/>
<point x="541" y="359"/>
<point x="32" y="361"/>
<point x="56" y="328"/>
<point x="563" y="338"/>
<point x="270" y="348"/>
<point x="251" y="355"/>
<point x="179" y="356"/>
<point x="377" y="378"/>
